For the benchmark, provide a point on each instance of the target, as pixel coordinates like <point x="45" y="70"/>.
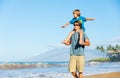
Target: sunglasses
<point x="76" y="25"/>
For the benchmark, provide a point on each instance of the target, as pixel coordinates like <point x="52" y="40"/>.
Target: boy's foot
<point x="66" y="42"/>
<point x="81" y="42"/>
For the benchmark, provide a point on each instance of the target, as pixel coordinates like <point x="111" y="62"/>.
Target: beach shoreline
<point x="105" y="75"/>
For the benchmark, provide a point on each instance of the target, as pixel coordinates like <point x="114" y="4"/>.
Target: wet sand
<point x="106" y="75"/>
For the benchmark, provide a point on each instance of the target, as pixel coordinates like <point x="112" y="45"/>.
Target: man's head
<point x="76" y="13"/>
<point x="77" y="25"/>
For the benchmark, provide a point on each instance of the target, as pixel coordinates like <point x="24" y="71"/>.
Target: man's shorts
<point x="76" y="63"/>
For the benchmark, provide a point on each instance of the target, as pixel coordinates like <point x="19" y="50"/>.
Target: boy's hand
<point x="63" y="26"/>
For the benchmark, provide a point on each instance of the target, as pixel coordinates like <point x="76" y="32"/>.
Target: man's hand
<point x="87" y="42"/>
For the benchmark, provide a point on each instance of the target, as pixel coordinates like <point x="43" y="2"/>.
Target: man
<point x="76" y="63"/>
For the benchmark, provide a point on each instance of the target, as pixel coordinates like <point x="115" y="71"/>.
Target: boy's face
<point x="75" y="14"/>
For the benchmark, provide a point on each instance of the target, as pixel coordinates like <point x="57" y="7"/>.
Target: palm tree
<point x="97" y="48"/>
<point x="109" y="48"/>
<point x="117" y="47"/>
<point x="102" y="49"/>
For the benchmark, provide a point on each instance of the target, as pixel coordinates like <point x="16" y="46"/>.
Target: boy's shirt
<point x="81" y="19"/>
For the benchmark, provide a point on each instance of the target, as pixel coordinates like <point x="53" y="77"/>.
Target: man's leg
<point x="80" y="75"/>
<point x="74" y="74"/>
<point x="80" y="66"/>
<point x="72" y="66"/>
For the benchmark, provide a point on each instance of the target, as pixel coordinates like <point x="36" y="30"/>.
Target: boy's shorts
<point x="76" y="63"/>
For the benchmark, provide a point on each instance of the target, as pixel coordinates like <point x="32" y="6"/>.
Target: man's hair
<point x="80" y="24"/>
<point x="77" y="11"/>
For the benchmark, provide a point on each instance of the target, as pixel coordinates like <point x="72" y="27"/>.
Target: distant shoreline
<point x="21" y="65"/>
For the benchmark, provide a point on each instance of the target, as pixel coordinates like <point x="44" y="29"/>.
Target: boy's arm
<point x="81" y="35"/>
<point x="68" y="23"/>
<point x="90" y="19"/>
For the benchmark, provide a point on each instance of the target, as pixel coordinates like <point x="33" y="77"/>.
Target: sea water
<point x="59" y="70"/>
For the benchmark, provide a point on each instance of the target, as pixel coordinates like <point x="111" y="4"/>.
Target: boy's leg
<point x="68" y="37"/>
<point x="81" y="37"/>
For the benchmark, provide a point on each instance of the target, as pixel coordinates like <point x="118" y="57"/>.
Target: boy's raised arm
<point x="90" y="19"/>
<point x="68" y="23"/>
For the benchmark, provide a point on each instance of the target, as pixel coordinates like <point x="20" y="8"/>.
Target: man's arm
<point x="87" y="42"/>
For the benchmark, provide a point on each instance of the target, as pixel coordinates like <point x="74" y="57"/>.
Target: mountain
<point x="62" y="54"/>
<point x="57" y="54"/>
<point x="113" y="41"/>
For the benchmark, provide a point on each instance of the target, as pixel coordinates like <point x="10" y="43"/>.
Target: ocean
<point x="57" y="70"/>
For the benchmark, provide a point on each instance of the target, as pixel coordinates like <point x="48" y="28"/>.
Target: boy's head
<point x="76" y="13"/>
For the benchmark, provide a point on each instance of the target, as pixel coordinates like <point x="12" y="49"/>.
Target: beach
<point x="105" y="75"/>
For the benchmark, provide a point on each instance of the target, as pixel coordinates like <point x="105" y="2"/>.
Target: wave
<point x="16" y="65"/>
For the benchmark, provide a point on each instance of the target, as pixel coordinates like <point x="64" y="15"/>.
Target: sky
<point x="31" y="27"/>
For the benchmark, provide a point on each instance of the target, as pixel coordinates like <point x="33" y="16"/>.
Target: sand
<point x="106" y="75"/>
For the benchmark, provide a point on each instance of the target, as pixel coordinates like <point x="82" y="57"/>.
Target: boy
<point x="77" y="16"/>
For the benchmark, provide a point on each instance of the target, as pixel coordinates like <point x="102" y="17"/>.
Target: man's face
<point x="76" y="26"/>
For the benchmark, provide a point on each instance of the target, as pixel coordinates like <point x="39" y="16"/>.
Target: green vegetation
<point x="115" y="48"/>
<point x="100" y="48"/>
<point x="113" y="52"/>
<point x="100" y="60"/>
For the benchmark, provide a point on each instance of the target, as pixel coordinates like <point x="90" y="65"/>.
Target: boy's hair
<point x="77" y="11"/>
<point x="80" y="24"/>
